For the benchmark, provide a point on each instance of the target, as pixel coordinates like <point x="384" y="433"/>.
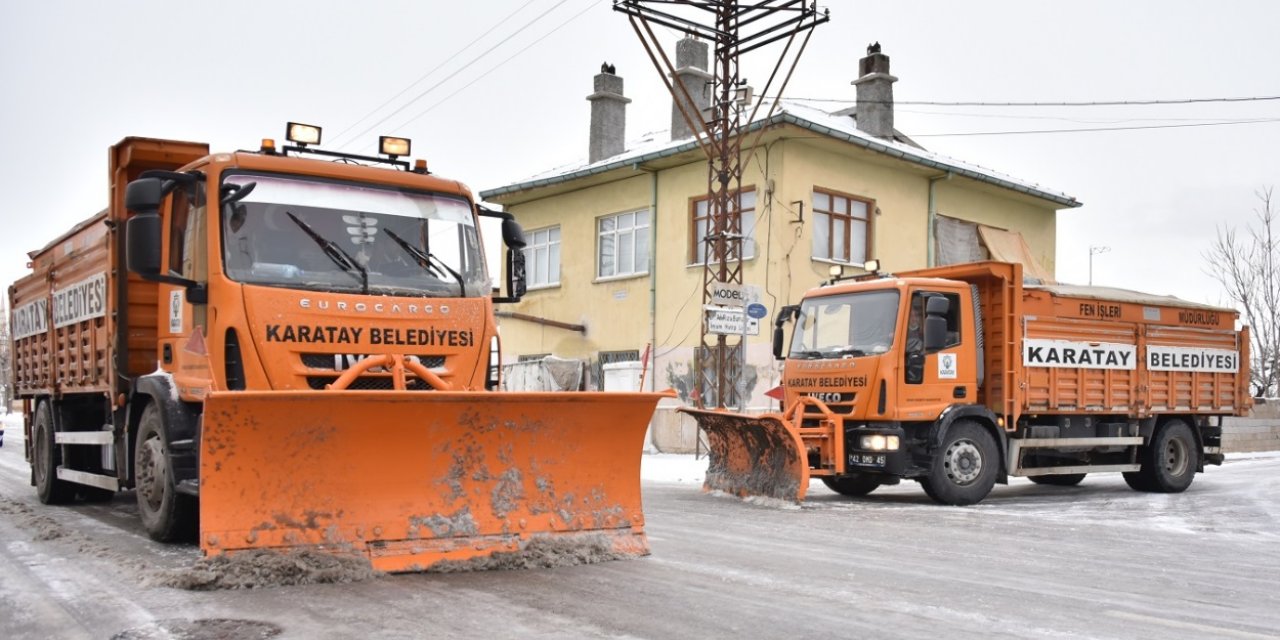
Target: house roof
<point x="839" y="126"/>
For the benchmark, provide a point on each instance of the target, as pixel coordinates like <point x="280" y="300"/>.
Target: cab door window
<point x="915" y="352"/>
<point x="188" y="253"/>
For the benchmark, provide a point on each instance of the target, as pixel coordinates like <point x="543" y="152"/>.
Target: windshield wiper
<point x="334" y="252"/>
<point x="805" y="355"/>
<point x="848" y="351"/>
<point x="424" y="260"/>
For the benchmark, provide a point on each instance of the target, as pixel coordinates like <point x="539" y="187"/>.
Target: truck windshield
<point x="308" y="234"/>
<point x="845" y="325"/>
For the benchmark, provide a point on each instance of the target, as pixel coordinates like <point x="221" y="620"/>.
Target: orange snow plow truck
<point x="960" y="376"/>
<point x="292" y="347"/>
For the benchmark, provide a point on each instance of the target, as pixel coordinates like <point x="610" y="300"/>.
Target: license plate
<point x="867" y="459"/>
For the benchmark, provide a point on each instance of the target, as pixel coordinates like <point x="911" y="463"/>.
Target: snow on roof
<point x="840" y="126"/>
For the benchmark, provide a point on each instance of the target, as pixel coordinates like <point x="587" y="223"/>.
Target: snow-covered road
<point x="1094" y="561"/>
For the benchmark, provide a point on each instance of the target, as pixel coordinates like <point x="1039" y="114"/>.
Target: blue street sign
<point x="757" y="310"/>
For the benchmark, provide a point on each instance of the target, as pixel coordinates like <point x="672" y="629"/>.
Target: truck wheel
<point x="45" y="458"/>
<point x="1136" y="481"/>
<point x="166" y="515"/>
<point x="1065" y="480"/>
<point x="1169" y="461"/>
<point x="852" y="485"/>
<point x="964" y="470"/>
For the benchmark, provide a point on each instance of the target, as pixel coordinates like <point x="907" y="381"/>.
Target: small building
<point x="615" y="258"/>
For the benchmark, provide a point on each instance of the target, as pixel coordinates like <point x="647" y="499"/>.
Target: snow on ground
<point x="678" y="468"/>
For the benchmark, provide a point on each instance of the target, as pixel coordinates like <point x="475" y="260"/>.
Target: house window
<point x="841" y="227"/>
<point x="700" y="211"/>
<point x="623" y="249"/>
<point x="542" y="257"/>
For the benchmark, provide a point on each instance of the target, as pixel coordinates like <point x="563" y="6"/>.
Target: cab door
<point x="933" y="379"/>
<point x="184" y="322"/>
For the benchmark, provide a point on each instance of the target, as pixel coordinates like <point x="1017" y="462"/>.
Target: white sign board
<point x="734" y="295"/>
<point x="1078" y="355"/>
<point x="80" y="301"/>
<point x="728" y="322"/>
<point x="946" y="366"/>
<point x="31" y="319"/>
<point x="1191" y="359"/>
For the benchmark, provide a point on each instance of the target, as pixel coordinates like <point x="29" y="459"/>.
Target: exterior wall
<point x="783" y="172"/>
<point x="615" y="312"/>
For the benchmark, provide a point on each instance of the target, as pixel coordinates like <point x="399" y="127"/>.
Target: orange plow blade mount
<point x="758" y="455"/>
<point x="416" y="481"/>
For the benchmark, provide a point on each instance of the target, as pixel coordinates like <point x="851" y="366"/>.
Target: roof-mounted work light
<point x="392" y="146"/>
<point x="303" y="134"/>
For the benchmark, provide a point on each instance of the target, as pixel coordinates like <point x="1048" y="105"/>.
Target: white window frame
<point x="540" y="244"/>
<point x="636" y="234"/>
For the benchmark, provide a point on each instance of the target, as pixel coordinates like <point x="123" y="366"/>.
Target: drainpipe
<point x="931" y="259"/>
<point x="653" y="272"/>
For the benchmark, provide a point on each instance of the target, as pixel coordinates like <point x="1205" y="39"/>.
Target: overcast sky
<point x="79" y="76"/>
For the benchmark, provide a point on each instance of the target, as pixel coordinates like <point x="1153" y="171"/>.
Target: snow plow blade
<point x="753" y="455"/>
<point x="424" y="480"/>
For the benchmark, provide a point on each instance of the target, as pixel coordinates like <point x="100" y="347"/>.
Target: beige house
<point x="614" y="259"/>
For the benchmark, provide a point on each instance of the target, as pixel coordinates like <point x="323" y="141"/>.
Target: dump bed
<point x="64" y="312"/>
<point x="1052" y="348"/>
<point x="1124" y="352"/>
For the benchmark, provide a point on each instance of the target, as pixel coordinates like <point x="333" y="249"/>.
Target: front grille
<point x="342" y="361"/>
<point x="369" y="382"/>
<point x="841" y="406"/>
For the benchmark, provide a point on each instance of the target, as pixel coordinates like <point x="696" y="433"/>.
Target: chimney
<point x="875" y="94"/>
<point x="608" y="115"/>
<point x="691" y="72"/>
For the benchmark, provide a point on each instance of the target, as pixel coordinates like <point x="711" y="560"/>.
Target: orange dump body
<point x="1107" y="367"/>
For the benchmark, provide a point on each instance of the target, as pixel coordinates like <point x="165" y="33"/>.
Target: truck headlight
<point x="879" y="443"/>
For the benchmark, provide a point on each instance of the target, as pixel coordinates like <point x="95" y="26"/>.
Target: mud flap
<point x="418" y="479"/>
<point x="753" y="455"/>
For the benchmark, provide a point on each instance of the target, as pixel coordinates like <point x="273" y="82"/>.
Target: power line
<point x="1094" y="129"/>
<point x="1095" y="120"/>
<point x="451" y="75"/>
<point x="499" y="65"/>
<point x="433" y="70"/>
<point x="1097" y="103"/>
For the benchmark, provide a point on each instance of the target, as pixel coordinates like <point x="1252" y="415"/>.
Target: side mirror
<point x="937" y="306"/>
<point x="935" y="333"/>
<point x="935" y="322"/>
<point x="512" y="234"/>
<point x="143" y="195"/>
<point x="516" y="283"/>
<point x="785" y="315"/>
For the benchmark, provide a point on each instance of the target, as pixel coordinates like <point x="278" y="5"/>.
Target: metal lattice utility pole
<point x="735" y="30"/>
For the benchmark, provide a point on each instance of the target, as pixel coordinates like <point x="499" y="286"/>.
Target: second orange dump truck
<point x="289" y="347"/>
<point x="961" y="376"/>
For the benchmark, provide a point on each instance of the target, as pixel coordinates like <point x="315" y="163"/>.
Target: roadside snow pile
<point x="541" y="552"/>
<point x="673" y="467"/>
<point x="263" y="568"/>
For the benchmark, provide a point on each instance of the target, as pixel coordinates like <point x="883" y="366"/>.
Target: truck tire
<point x="46" y="455"/>
<point x="166" y="514"/>
<point x="964" y="470"/>
<point x="852" y="485"/>
<point x="1136" y="481"/>
<point x="1169" y="462"/>
<point x="1065" y="480"/>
